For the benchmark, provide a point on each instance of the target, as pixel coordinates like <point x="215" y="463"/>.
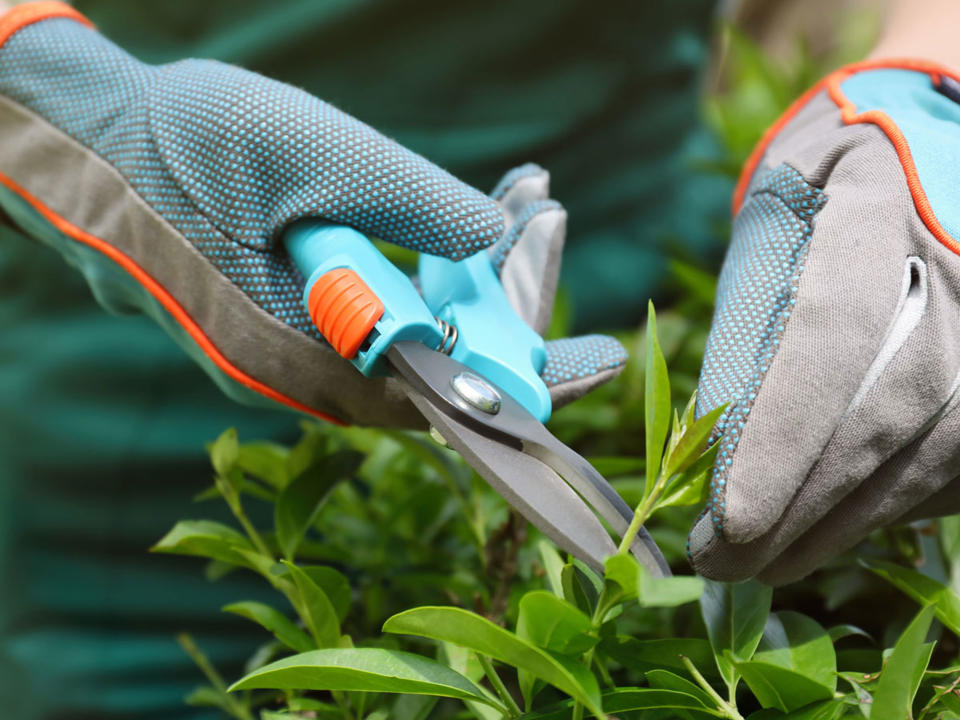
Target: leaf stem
<point x="512" y="709"/>
<point x="642" y="514"/>
<point x="728" y="710"/>
<point x="232" y="497"/>
<point x="231" y="704"/>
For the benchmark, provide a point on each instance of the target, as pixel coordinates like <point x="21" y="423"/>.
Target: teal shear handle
<point x="362" y="304"/>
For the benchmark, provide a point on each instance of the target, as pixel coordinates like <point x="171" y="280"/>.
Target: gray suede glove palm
<point x="836" y="336"/>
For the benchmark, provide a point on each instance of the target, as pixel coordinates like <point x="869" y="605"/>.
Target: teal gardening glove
<point x="169" y="187"/>
<point x="836" y="335"/>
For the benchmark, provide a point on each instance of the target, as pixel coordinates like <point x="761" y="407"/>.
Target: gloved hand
<point x="836" y="336"/>
<point x="169" y="188"/>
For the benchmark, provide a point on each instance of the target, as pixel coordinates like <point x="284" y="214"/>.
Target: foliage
<point x="546" y="637"/>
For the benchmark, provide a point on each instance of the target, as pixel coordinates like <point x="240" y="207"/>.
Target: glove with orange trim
<point x="836" y="335"/>
<point x="170" y="186"/>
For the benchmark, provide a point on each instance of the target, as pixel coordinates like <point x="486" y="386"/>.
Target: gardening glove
<point x="836" y="335"/>
<point x="169" y="187"/>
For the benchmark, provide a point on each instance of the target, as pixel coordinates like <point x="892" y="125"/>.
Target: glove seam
<point x="831" y="85"/>
<point x="170" y="303"/>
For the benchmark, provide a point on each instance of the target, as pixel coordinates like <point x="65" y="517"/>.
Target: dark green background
<point x="103" y="419"/>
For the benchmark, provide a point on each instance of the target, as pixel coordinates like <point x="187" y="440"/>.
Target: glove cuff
<point x="28" y="13"/>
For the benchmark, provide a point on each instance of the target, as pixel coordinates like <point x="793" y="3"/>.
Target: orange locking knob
<point x="344" y="309"/>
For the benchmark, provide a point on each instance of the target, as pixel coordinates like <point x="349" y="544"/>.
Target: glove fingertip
<point x="575" y="366"/>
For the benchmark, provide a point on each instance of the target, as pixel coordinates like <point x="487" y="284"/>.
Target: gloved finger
<point x="520" y="187"/>
<point x="899" y="491"/>
<point x="577" y="365"/>
<point x="528" y="256"/>
<point x="254" y="155"/>
<point x="832" y="361"/>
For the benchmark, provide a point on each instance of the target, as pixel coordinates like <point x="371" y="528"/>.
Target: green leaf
<point x="668" y="591"/>
<point x="206" y="538"/>
<point x="691" y="487"/>
<point x="621" y="578"/>
<point x="666" y="680"/>
<point x="901" y="676"/>
<point x="578" y="587"/>
<point x="318" y="612"/>
<point x="301" y="500"/>
<point x="626" y="579"/>
<point x="693" y="442"/>
<point x="656" y="400"/>
<point x="362" y="670"/>
<point x="334" y="585"/>
<point x="925" y="590"/>
<point x="625" y="700"/>
<point x="779" y="687"/>
<point x="645" y="655"/>
<point x="469" y="630"/>
<point x="799" y="643"/>
<point x="552" y="565"/>
<point x="225" y="451"/>
<point x="413" y="707"/>
<point x="838" y="632"/>
<point x="554" y="624"/>
<point x="265" y="460"/>
<point x="822" y="710"/>
<point x="276" y="622"/>
<point x="735" y="615"/>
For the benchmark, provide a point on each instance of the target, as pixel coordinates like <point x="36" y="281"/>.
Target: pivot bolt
<point x="477" y="392"/>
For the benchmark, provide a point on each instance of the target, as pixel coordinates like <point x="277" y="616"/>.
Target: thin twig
<point x="723" y="706"/>
<point x="502" y="553"/>
<point x="513" y="710"/>
<point x="230" y="703"/>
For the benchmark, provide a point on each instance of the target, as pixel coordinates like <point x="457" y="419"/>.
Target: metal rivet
<point x="477" y="392"/>
<point x="435" y="434"/>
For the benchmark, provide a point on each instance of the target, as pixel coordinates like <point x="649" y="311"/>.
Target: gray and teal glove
<point x="169" y="188"/>
<point x="836" y="336"/>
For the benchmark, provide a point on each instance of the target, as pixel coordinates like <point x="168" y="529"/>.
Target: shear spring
<point x="450" y="335"/>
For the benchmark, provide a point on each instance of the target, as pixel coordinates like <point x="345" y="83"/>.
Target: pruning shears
<point x="472" y="367"/>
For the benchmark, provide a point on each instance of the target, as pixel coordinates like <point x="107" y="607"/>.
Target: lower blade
<point x="536" y="491"/>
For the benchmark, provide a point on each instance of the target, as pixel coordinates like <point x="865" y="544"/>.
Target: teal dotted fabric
<point x="500" y="251"/>
<point x="229" y="157"/>
<point x="581" y="357"/>
<point x="512" y="177"/>
<point x="755" y="294"/>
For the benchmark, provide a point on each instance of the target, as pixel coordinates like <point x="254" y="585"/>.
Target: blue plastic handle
<point x="491" y="338"/>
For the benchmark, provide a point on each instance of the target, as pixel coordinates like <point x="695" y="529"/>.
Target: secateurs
<point x="472" y="367"/>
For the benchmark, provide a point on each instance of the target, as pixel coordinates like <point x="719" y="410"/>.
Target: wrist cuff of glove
<point x="28" y="13"/>
<point x="911" y="145"/>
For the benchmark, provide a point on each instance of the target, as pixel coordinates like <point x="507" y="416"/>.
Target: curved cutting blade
<point x="542" y="478"/>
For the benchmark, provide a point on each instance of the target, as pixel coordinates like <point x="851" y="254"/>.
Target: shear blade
<point x="519" y="458"/>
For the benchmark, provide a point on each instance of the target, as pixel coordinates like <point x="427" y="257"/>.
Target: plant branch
<point x="232" y="497"/>
<point x="642" y="514"/>
<point x="512" y="709"/>
<point x="727" y="709"/>
<point x="501" y="552"/>
<point x="230" y="703"/>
